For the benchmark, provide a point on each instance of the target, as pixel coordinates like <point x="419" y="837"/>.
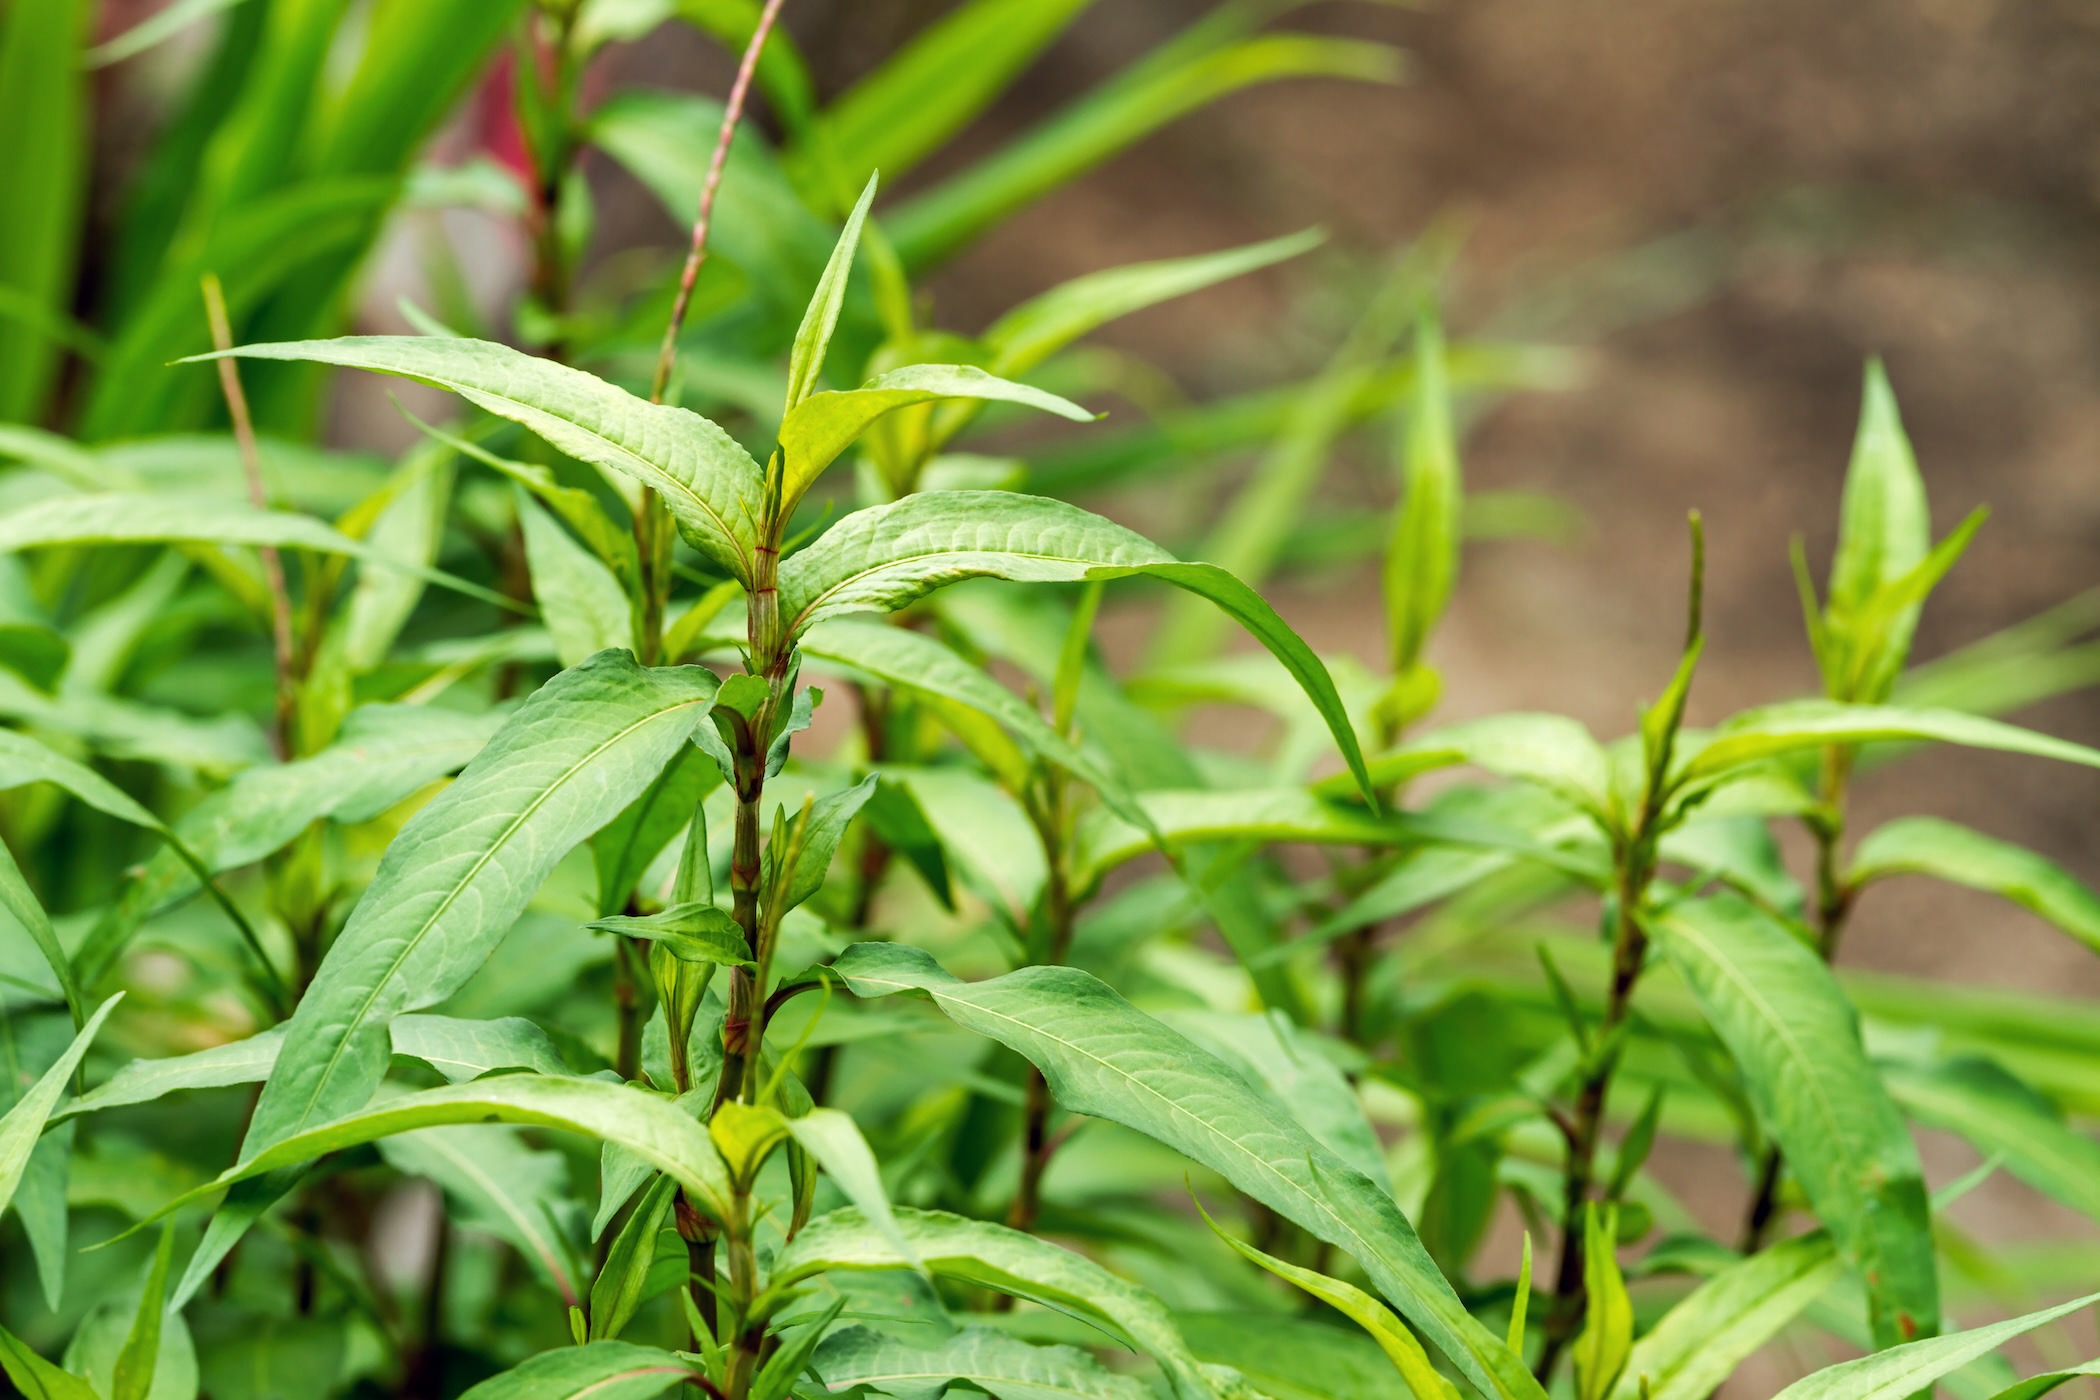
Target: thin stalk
<point x="1834" y="899"/>
<point x="251" y="469"/>
<point x="651" y="525"/>
<point x="1037" y="1145"/>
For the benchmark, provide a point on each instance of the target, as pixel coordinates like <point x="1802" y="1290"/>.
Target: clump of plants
<point x="441" y="962"/>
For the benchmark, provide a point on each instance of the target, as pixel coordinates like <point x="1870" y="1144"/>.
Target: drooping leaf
<point x="1105" y="1058"/>
<point x="498" y="1185"/>
<point x="1948" y="851"/>
<point x="1699" y="1342"/>
<point x="880" y="559"/>
<point x="992" y="1256"/>
<point x="595" y="1371"/>
<point x="710" y="483"/>
<point x="992" y="1361"/>
<point x="1906" y="1370"/>
<point x="24" y="1123"/>
<point x="1359" y="1307"/>
<point x="1774" y="1004"/>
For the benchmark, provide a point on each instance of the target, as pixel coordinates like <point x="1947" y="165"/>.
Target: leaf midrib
<point x="481" y="862"/>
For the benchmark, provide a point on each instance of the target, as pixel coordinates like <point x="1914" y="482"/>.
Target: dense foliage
<point x="438" y="959"/>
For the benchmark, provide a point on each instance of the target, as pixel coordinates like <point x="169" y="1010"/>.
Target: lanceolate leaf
<point x="710" y="483"/>
<point x="596" y="1371"/>
<point x="806" y="359"/>
<point x="880" y="559"/>
<point x="992" y="1361"/>
<point x="1907" y="1370"/>
<point x="1947" y="851"/>
<point x="992" y="1256"/>
<point x="819" y="428"/>
<point x="499" y="1185"/>
<point x="2005" y="1118"/>
<point x="24" y="1123"/>
<point x="1884" y="531"/>
<point x="1421" y="560"/>
<point x="36" y="1378"/>
<point x="584" y="606"/>
<point x="1812" y="724"/>
<point x="461" y="872"/>
<point x="646" y="1124"/>
<point x="1103" y="1057"/>
<point x="1780" y="1013"/>
<point x="1698" y="1343"/>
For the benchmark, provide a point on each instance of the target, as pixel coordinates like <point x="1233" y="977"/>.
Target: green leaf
<point x="1118" y="114"/>
<point x="1607" y="1331"/>
<point x="1105" y="1058"/>
<point x="829" y="817"/>
<point x="880" y="559"/>
<point x="1291" y="1357"/>
<point x="45" y="150"/>
<point x="646" y="1124"/>
<point x="813" y="338"/>
<point x="930" y="88"/>
<point x="993" y="1256"/>
<point x="36" y="1378"/>
<point x="1105" y="840"/>
<point x="818" y="428"/>
<point x="777" y="1377"/>
<point x="1884" y="531"/>
<point x="695" y="933"/>
<point x="155" y="29"/>
<point x="451" y="884"/>
<point x="1906" y="1370"/>
<point x="2003" y="1118"/>
<point x="1776" y="1007"/>
<point x="594" y="1371"/>
<point x="157" y="517"/>
<point x="136" y="1361"/>
<point x="1421" y="559"/>
<point x="581" y="602"/>
<point x="498" y="1185"/>
<point x="992" y="1361"/>
<point x="1359" y="1307"/>
<point x="1548" y="751"/>
<point x="24" y="1123"/>
<point x="1947" y="851"/>
<point x="2034" y="1387"/>
<point x="23" y="907"/>
<point x="627" y="845"/>
<point x="1041" y="326"/>
<point x="1796" y="725"/>
<point x="713" y="488"/>
<point x="409" y="529"/>
<point x="834" y="1139"/>
<point x="618" y="1289"/>
<point x="1699" y="1342"/>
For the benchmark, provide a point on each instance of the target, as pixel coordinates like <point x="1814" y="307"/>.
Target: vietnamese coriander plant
<point x="450" y="949"/>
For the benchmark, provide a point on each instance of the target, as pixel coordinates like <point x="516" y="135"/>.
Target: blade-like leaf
<point x="1600" y="1351"/>
<point x="1421" y="559"/>
<point x="596" y="1371"/>
<point x="1948" y="851"/>
<point x="880" y="559"/>
<point x="696" y="932"/>
<point x="1783" y="1018"/>
<point x="992" y="1361"/>
<point x="1699" y="1342"/>
<point x="617" y="1290"/>
<point x="1359" y="1307"/>
<point x="132" y="1378"/>
<point x="44" y="147"/>
<point x="1906" y="1370"/>
<point x="36" y="1378"/>
<point x="581" y="602"/>
<point x="2003" y="1118"/>
<point x="834" y="1140"/>
<point x="1884" y="530"/>
<point x="461" y="871"/>
<point x="498" y="1185"/>
<point x="710" y="483"/>
<point x="818" y="428"/>
<point x="813" y="338"/>
<point x="24" y="1123"/>
<point x="1812" y="724"/>
<point x="1103" y="1057"/>
<point x="992" y="1256"/>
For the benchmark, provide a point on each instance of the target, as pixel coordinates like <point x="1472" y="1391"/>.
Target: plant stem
<point x="1636" y="866"/>
<point x="272" y="562"/>
<point x="1037" y="1146"/>
<point x="1833" y="910"/>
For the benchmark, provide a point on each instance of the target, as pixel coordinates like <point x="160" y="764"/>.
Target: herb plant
<point x="441" y="960"/>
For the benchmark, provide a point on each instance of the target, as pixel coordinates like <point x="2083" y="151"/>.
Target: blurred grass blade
<point x="931" y="227"/>
<point x="1951" y="852"/>
<point x="44" y="150"/>
<point x="156" y="28"/>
